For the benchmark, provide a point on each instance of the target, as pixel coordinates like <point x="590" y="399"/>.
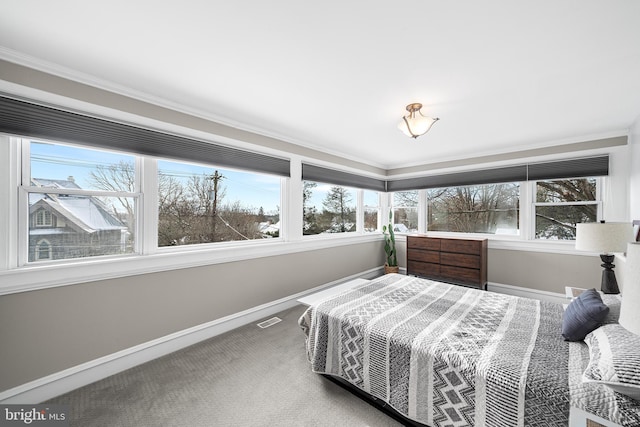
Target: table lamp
<point x="606" y="238"/>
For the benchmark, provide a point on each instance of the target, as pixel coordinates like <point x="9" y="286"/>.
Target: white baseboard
<point x="64" y="381"/>
<point x="527" y="292"/>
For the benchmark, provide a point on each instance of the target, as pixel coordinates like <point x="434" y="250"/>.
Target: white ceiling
<point x="502" y="75"/>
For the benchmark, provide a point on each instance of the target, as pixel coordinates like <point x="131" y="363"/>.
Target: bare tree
<point x="558" y="221"/>
<point x="475" y="208"/>
<point x="117" y="177"/>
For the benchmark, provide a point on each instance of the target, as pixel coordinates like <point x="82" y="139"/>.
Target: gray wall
<point x="542" y="271"/>
<point x="49" y="330"/>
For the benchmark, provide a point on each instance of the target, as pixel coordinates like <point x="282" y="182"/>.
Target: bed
<point x="446" y="355"/>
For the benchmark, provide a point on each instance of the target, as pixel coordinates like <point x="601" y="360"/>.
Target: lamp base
<point x="609" y="283"/>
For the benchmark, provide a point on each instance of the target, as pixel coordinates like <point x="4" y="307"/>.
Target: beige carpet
<point x="246" y="377"/>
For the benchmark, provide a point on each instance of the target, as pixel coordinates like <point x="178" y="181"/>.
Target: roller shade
<point x="574" y="168"/>
<point x="485" y="176"/>
<point x="27" y="119"/>
<point x="331" y="176"/>
<point x="561" y="169"/>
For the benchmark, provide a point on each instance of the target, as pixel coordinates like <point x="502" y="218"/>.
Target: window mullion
<point x="600" y="197"/>
<point x="359" y="211"/>
<point x="147" y="227"/>
<point x="88" y="193"/>
<point x="422" y="211"/>
<point x="24" y="174"/>
<point x="527" y="210"/>
<point x="580" y="203"/>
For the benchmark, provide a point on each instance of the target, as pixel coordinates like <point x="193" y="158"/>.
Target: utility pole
<point x="216" y="177"/>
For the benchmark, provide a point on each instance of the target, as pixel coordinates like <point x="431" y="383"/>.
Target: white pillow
<point x="614" y="359"/>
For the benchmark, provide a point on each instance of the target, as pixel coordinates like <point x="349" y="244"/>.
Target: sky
<point x="252" y="190"/>
<point x="56" y="161"/>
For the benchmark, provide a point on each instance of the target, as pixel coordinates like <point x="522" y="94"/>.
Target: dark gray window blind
<point x="32" y="120"/>
<point x="486" y="176"/>
<point x="332" y="176"/>
<point x="573" y="168"/>
<point x="561" y="169"/>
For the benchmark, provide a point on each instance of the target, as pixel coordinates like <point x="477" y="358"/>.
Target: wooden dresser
<point x="452" y="260"/>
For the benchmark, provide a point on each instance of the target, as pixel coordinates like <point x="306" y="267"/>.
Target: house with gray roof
<point x="70" y="226"/>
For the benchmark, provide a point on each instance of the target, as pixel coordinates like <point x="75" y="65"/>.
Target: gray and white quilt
<point x="445" y="355"/>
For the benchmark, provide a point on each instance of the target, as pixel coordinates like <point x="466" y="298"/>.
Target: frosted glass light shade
<point x="416" y="126"/>
<point x="415" y="123"/>
<point x="603" y="237"/>
<point x="629" y="308"/>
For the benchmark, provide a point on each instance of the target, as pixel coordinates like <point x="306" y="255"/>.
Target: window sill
<point x="41" y="276"/>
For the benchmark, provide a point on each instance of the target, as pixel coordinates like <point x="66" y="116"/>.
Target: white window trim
<point x="147" y="226"/>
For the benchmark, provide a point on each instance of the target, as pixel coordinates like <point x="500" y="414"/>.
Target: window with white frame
<point x="206" y="204"/>
<point x="328" y="208"/>
<point x="405" y="211"/>
<point x="43" y="218"/>
<point x="43" y="250"/>
<point x="561" y="204"/>
<point x="91" y="194"/>
<point x="487" y="208"/>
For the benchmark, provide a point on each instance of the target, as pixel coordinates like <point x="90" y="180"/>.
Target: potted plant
<point x="391" y="264"/>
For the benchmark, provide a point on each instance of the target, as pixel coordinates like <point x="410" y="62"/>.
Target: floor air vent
<point x="269" y="322"/>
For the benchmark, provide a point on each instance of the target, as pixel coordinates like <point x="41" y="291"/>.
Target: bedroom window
<point x="328" y="208"/>
<point x="488" y="208"/>
<point x="207" y="204"/>
<point x="561" y="204"/>
<point x="80" y="202"/>
<point x="405" y="211"/>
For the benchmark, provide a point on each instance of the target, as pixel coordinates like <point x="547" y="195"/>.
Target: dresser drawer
<point x="460" y="275"/>
<point x="426" y="243"/>
<point x="461" y="246"/>
<point x="425" y="269"/>
<point x="424" y="256"/>
<point x="460" y="260"/>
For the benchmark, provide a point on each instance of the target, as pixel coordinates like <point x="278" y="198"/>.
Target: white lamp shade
<point x="603" y="237"/>
<point x="419" y="125"/>
<point x="630" y="306"/>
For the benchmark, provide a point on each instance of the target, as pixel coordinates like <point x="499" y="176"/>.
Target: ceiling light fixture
<point x="415" y="123"/>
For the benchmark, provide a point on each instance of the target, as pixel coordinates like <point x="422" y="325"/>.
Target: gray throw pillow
<point x="584" y="314"/>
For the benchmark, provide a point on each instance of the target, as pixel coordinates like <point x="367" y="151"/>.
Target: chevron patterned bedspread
<point x="445" y="355"/>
